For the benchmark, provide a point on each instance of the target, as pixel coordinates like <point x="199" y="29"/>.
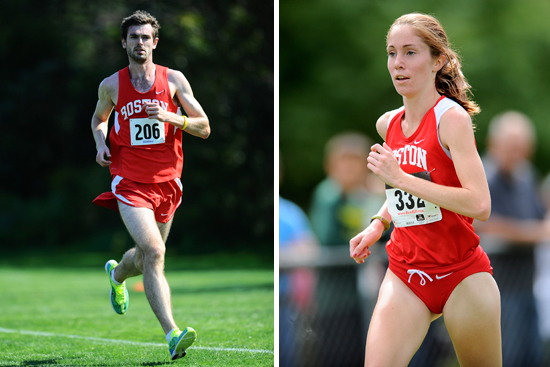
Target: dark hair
<point x="449" y="81"/>
<point x="140" y="17"/>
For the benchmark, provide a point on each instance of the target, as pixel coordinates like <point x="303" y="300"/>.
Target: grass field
<point x="62" y="317"/>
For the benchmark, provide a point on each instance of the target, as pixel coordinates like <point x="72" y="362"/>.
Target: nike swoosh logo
<point x="160" y="91"/>
<point x="164" y="215"/>
<point x="443" y="276"/>
<point x="420" y="141"/>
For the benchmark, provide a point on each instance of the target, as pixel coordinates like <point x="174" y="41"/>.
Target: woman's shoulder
<point x="455" y="126"/>
<point x="455" y="115"/>
<point x="383" y="121"/>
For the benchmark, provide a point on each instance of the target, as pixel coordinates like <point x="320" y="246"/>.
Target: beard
<point x="137" y="58"/>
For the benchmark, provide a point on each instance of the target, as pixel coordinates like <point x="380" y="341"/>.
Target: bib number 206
<point x="146" y="131"/>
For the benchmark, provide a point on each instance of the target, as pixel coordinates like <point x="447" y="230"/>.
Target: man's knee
<point x="153" y="255"/>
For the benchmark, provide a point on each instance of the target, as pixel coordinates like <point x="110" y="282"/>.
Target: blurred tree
<point x="55" y="55"/>
<point x="333" y="74"/>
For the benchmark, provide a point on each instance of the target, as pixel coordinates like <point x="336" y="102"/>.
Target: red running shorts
<point x="162" y="198"/>
<point x="435" y="285"/>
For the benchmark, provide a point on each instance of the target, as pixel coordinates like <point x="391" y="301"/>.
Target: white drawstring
<point x="421" y="274"/>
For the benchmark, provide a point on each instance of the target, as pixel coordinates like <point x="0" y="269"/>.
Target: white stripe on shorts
<point x="115" y="182"/>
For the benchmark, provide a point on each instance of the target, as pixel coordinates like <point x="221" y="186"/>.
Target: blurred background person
<point x="342" y="204"/>
<point x="509" y="236"/>
<point x="296" y="243"/>
<point x="344" y="201"/>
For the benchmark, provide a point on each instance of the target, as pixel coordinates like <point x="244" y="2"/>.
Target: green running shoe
<point x="119" y="293"/>
<point x="180" y="341"/>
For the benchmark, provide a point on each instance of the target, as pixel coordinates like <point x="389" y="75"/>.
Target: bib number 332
<point x="408" y="210"/>
<point x="146" y="131"/>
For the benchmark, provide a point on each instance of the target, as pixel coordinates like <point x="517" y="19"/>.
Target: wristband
<point x="185" y="122"/>
<point x="383" y="220"/>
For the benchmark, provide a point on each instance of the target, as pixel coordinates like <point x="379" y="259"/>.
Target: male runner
<point x="145" y="160"/>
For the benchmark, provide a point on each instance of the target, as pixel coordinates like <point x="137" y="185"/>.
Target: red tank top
<point x="428" y="235"/>
<point x="144" y="150"/>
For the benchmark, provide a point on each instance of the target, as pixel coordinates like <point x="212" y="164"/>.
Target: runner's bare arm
<point x="197" y="121"/>
<point x="382" y="124"/>
<point x="100" y="120"/>
<point x="472" y="199"/>
<point x="359" y="245"/>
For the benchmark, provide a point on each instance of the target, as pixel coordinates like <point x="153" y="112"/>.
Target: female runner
<point x="435" y="188"/>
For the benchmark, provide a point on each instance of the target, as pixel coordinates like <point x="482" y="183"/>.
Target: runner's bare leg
<point x="131" y="264"/>
<point x="150" y="247"/>
<point x="472" y="317"/>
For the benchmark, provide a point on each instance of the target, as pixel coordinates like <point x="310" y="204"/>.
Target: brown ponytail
<point x="449" y="81"/>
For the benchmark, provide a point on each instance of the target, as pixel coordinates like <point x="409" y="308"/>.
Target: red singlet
<point x="144" y="150"/>
<point x="426" y="235"/>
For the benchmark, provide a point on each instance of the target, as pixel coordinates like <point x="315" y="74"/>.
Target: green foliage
<point x="333" y="74"/>
<point x="56" y="53"/>
<point x="229" y="309"/>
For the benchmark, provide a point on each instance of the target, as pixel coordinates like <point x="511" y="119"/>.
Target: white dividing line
<point x="116" y="341"/>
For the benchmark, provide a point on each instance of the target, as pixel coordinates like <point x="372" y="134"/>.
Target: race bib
<point x="408" y="210"/>
<point x="146" y="131"/>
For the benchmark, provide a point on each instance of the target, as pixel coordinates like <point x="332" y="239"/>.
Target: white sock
<point x="169" y="335"/>
<point x="113" y="277"/>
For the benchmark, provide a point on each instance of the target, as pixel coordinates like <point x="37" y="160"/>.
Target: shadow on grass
<point x="229" y="288"/>
<point x="157" y="364"/>
<point x="45" y="362"/>
<point x="55" y="362"/>
<point x="50" y="362"/>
